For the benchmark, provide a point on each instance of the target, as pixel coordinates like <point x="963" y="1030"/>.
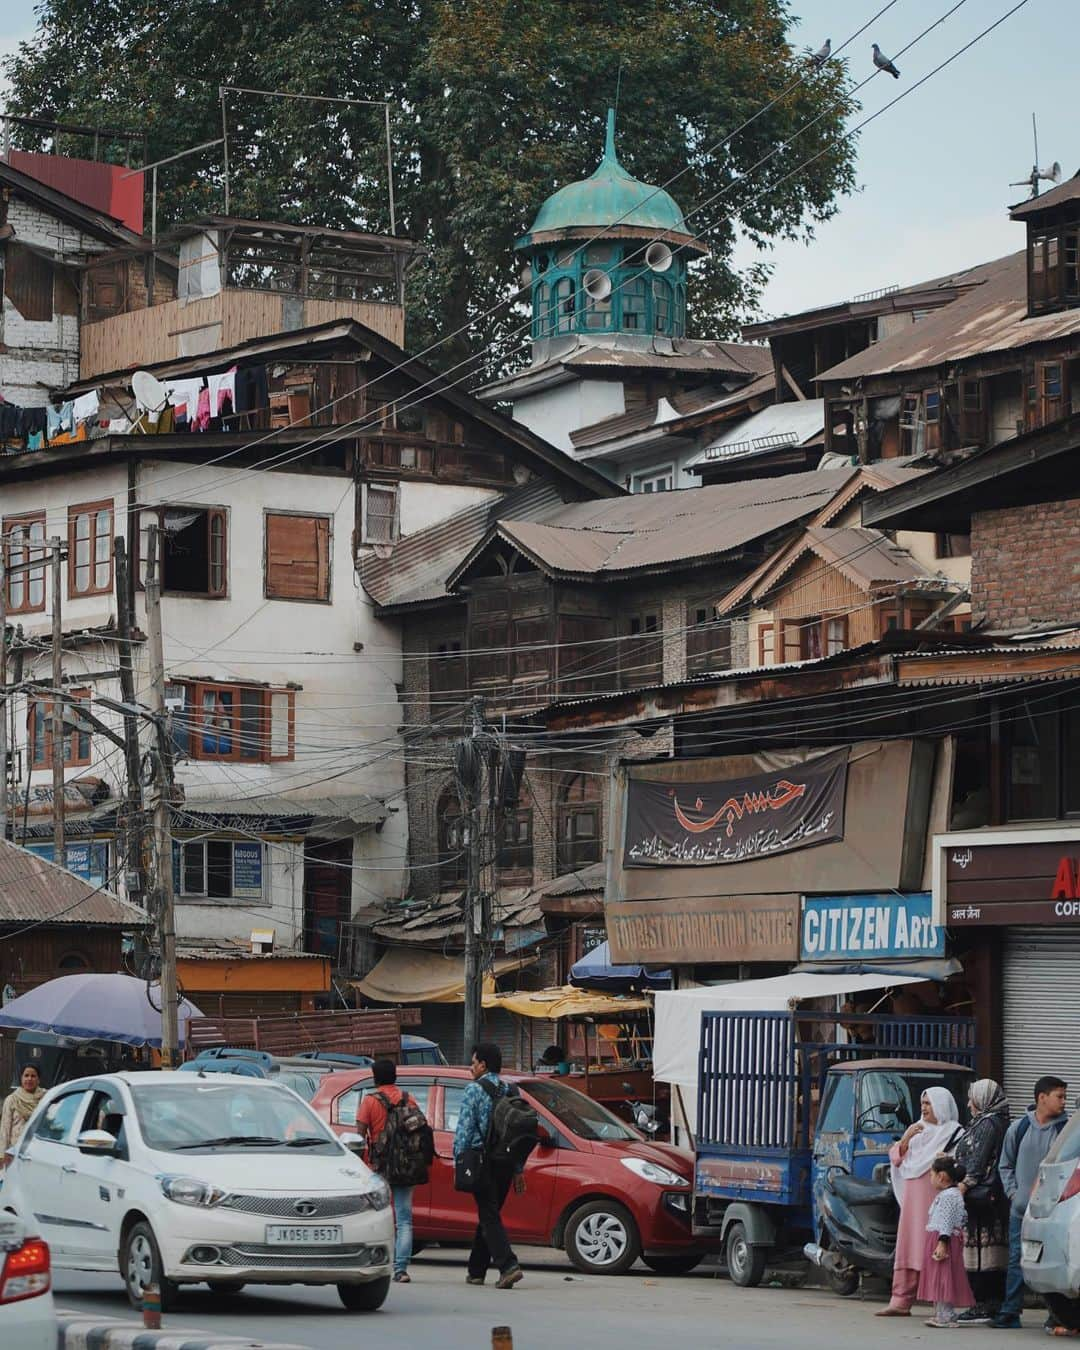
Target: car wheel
<point x="602" y="1238"/>
<point x="1066" y="1310"/>
<point x="745" y="1263"/>
<point x="140" y="1265"/>
<point x="225" y="1286"/>
<point x="364" y="1297"/>
<point x="674" y="1263"/>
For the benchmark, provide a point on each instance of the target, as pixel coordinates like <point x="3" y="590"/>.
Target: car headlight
<point x="191" y="1191"/>
<point x="650" y="1171"/>
<point x="378" y="1197"/>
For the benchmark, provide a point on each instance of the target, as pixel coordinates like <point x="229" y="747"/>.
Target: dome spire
<point x="610" y="157"/>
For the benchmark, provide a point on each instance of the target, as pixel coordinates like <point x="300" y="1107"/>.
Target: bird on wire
<point x="884" y="63"/>
<point x="822" y="54"/>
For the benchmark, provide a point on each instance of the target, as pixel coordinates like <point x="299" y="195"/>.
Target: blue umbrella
<point x="595" y="971"/>
<point x="102" y="1007"/>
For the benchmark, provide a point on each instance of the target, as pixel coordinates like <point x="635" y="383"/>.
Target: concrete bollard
<point x="151" y="1308"/>
<point x="502" y="1338"/>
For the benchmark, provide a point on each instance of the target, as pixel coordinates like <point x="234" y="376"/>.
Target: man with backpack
<point x="1026" y="1144"/>
<point x="400" y="1148"/>
<point x="496" y="1131"/>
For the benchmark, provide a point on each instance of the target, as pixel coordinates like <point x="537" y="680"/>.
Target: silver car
<point x="1051" y="1232"/>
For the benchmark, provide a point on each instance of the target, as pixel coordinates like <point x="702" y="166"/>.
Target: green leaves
<point x="495" y="103"/>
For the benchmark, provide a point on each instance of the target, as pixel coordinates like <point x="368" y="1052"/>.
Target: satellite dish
<point x="150" y="393"/>
<point x="658" y="256"/>
<point x="597" y="284"/>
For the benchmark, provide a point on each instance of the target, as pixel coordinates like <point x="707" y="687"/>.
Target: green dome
<point x="609" y="196"/>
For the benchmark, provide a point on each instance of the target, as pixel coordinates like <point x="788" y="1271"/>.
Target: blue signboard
<point x="89" y="860"/>
<point x="866" y="927"/>
<point x="247" y="871"/>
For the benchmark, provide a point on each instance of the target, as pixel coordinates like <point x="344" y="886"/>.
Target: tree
<point x="495" y="103"/>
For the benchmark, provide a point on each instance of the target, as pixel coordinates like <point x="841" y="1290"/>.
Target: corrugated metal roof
<point x="655" y="530"/>
<point x="226" y="949"/>
<point x="1069" y="191"/>
<point x="796" y="423"/>
<point x="991" y="317"/>
<point x="35" y="891"/>
<point x="866" y="557"/>
<point x="672" y="413"/>
<point x="683" y="354"/>
<point x="415" y="569"/>
<point x="585" y="881"/>
<point x="358" y="808"/>
<point x="513" y="907"/>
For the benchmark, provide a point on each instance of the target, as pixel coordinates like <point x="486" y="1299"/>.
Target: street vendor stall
<point x="606" y="1040"/>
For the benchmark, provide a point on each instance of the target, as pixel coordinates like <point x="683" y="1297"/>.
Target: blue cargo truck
<point x="796" y="1113"/>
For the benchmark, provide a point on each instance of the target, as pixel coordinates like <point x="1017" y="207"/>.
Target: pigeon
<point x="822" y="54"/>
<point x="883" y="63"/>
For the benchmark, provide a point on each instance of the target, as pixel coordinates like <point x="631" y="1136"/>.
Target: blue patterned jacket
<point x="474" y="1119"/>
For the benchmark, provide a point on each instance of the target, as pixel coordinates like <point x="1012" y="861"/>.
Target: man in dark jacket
<point x="1027" y="1143"/>
<point x="490" y="1245"/>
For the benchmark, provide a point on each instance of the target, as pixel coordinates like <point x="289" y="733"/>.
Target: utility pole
<point x="3" y="691"/>
<point x="163" y="781"/>
<point x="470" y="786"/>
<point x="58" y="730"/>
<point x="133" y="822"/>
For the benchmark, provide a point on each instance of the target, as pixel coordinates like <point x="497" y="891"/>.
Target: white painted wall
<point x="424" y="504"/>
<point x="555" y="413"/>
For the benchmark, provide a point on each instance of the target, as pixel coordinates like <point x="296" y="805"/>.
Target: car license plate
<point x="1033" y="1252"/>
<point x="302" y="1234"/>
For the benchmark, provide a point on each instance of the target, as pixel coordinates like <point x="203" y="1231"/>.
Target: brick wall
<point x="1025" y="564"/>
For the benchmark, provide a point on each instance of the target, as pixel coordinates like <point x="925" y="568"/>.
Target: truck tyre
<point x="1066" y="1310"/>
<point x="602" y="1238"/>
<point x="745" y="1263"/>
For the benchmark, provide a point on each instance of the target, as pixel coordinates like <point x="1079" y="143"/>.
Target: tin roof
<point x="781" y="424"/>
<point x="990" y="317"/>
<point x="1069" y="191"/>
<point x="34" y="891"/>
<point x="357" y="808"/>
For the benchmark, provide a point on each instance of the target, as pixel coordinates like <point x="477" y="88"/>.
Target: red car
<point x="594" y="1186"/>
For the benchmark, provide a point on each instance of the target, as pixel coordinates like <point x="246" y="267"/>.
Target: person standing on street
<point x="493" y="1176"/>
<point x="400" y="1149"/>
<point x="986" y="1246"/>
<point x="1026" y="1144"/>
<point x="18" y="1108"/>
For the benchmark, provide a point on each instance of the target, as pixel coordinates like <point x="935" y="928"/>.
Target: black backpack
<point x="405" y="1147"/>
<point x="514" y="1129"/>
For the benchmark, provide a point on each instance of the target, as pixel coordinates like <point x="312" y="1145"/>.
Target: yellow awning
<point x="565" y="1001"/>
<point x="404" y="976"/>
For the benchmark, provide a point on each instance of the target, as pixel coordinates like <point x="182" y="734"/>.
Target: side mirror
<point x="355" y="1143"/>
<point x="97" y="1143"/>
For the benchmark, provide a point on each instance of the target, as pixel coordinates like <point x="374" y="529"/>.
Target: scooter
<point x="860" y="1219"/>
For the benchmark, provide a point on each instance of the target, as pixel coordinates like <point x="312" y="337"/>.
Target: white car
<point x="27" y="1315"/>
<point x="179" y="1179"/>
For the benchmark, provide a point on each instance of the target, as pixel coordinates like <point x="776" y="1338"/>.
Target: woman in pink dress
<point x="911" y="1157"/>
<point x="943" y="1281"/>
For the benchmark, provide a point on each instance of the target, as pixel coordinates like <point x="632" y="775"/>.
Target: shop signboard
<point x="89" y="860"/>
<point x="735" y="820"/>
<point x="870" y="927"/>
<point x="247" y="871"/>
<point x="1003" y="877"/>
<point x="727" y="928"/>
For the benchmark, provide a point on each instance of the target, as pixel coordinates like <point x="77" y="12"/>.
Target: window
<point x="597" y="311"/>
<point x="932" y="418"/>
<point x="446" y="667"/>
<point x="453" y="1095"/>
<point x="347" y="1106"/>
<point x="28" y="282"/>
<point x="544" y="319"/>
<point x="194" y="549"/>
<point x="952" y="545"/>
<point x="76" y="739"/>
<point x="1051" y="391"/>
<point x="577" y="823"/>
<point x="974" y="406"/>
<point x="297" y="557"/>
<point x="836" y="635"/>
<point x="661" y="305"/>
<point x="1042" y="768"/>
<point x="766" y="648"/>
<point x="453" y="864"/>
<point x="1071" y="256"/>
<point x="516" y="846"/>
<point x="655" y="480"/>
<point x="232" y="722"/>
<point x="380" y="513"/>
<point x="635" y="299"/>
<point x="25" y="546"/>
<point x="708" y="640"/>
<point x="791" y="640"/>
<point x="218" y="869"/>
<point x="564" y="305"/>
<point x="641" y="654"/>
<point x="58" y="1122"/>
<point x="90" y="559"/>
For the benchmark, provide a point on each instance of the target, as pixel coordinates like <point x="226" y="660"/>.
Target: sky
<point x="934" y="171"/>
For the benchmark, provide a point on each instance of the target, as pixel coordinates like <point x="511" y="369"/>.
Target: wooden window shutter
<point x="105" y="291"/>
<point x="791" y="638"/>
<point x="28" y="282"/>
<point x="297" y="557"/>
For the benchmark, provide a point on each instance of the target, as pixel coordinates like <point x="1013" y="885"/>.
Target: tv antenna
<point x="1037" y="175"/>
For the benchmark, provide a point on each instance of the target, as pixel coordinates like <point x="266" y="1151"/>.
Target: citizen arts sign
<point x="1009" y="877"/>
<point x="702" y="824"/>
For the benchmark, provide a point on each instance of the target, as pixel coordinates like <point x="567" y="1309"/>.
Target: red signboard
<point x="1012" y="883"/>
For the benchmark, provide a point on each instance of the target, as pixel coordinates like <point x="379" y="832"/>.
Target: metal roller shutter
<point x="1041" y="1011"/>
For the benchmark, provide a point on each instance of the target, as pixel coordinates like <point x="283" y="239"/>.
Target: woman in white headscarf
<point x="911" y="1157"/>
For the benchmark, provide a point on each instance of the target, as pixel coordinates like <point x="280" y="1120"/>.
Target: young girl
<point x="943" y="1280"/>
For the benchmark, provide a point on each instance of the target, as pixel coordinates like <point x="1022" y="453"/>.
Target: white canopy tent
<point x="678" y="1022"/>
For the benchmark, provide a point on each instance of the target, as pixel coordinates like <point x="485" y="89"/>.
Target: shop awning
<point x="420" y="976"/>
<point x="677" y="1036"/>
<point x="565" y="1001"/>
